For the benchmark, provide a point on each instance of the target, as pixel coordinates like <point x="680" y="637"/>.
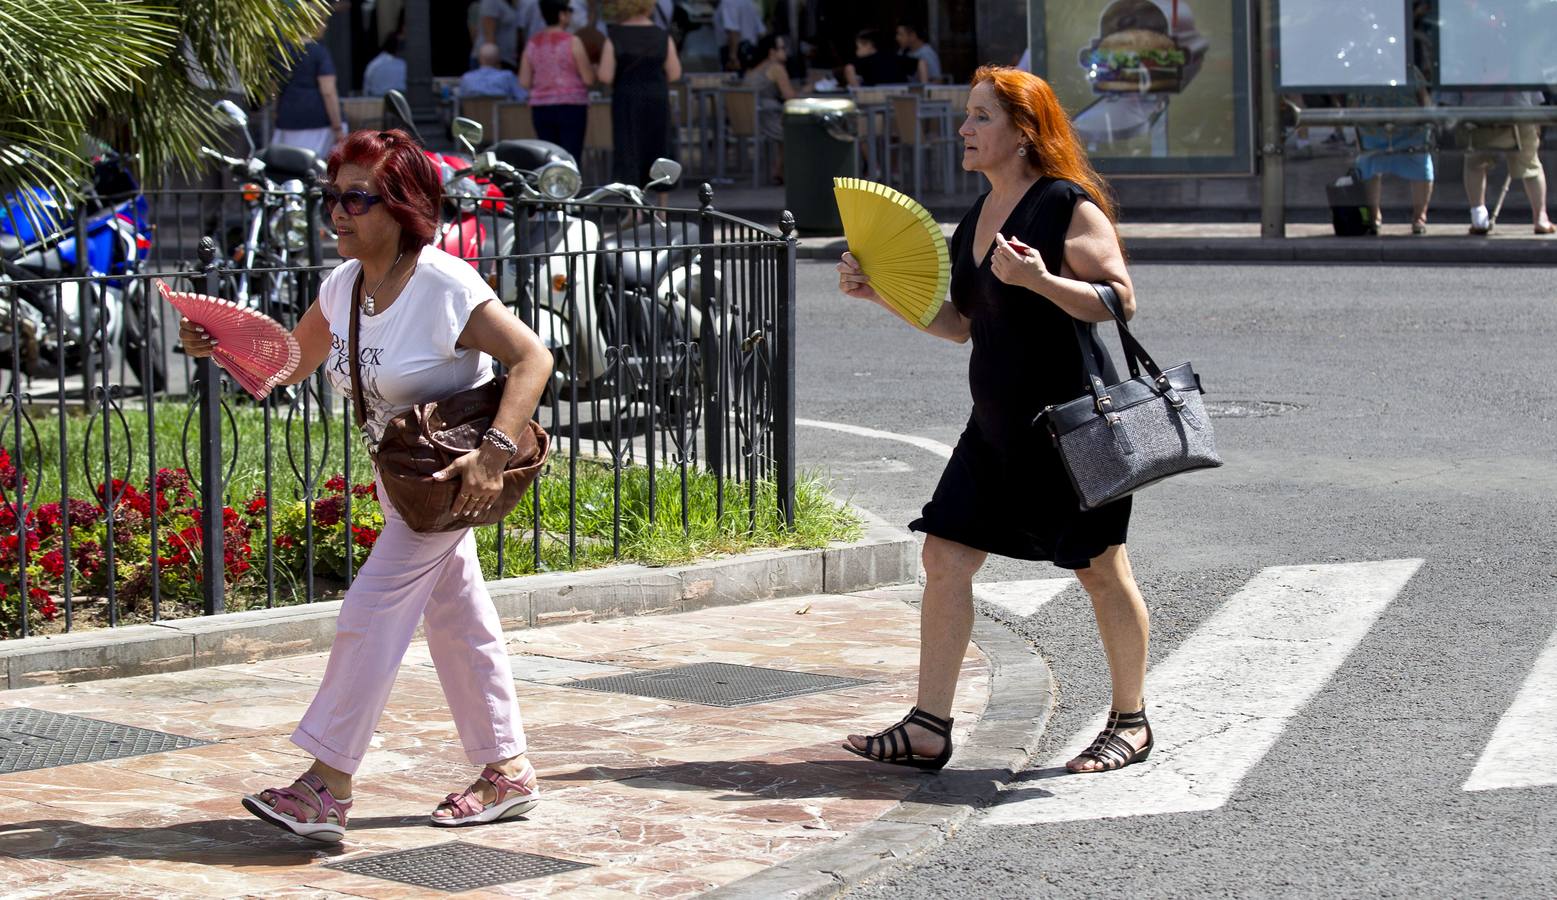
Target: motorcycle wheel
<point x="143" y="352"/>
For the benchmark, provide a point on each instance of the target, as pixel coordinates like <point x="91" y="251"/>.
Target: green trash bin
<point x="819" y="145"/>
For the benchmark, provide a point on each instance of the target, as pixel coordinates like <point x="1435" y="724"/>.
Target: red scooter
<point x="474" y="223"/>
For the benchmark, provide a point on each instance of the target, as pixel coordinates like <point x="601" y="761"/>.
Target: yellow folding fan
<point x="898" y="244"/>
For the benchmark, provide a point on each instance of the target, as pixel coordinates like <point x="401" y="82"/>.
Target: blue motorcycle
<point x="59" y="327"/>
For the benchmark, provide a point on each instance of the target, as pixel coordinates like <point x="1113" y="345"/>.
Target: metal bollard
<point x="209" y="394"/>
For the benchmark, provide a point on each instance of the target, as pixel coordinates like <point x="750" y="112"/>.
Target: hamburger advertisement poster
<point x="1154" y="86"/>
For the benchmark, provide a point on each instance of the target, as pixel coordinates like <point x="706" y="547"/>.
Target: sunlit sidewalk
<point x="648" y="795"/>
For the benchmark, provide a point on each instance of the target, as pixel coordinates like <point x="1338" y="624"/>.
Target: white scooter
<point x="621" y="322"/>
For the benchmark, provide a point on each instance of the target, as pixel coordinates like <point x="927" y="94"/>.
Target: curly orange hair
<point x="1037" y="113"/>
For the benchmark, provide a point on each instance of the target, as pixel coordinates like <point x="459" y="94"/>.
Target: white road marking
<point x="1023" y="598"/>
<point x="1222" y="699"/>
<point x="944" y="451"/>
<point x="1520" y="752"/>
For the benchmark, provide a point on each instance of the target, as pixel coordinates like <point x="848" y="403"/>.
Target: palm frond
<point x="142" y="72"/>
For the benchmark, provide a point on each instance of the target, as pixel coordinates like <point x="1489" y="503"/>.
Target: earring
<point x="1021" y="151"/>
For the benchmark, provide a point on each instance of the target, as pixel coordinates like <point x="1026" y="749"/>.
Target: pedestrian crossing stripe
<point x="1223" y="698"/>
<point x="1021" y="598"/>
<point x="1520" y="754"/>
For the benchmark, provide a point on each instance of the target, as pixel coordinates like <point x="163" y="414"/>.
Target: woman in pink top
<point x="555" y="70"/>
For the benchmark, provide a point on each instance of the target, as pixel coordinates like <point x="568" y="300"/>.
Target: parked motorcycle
<point x="58" y="328"/>
<point x="273" y="230"/>
<point x="472" y="225"/>
<point x="621" y="322"/>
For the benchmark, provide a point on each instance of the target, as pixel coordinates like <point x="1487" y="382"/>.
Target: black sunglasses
<point x="356" y="202"/>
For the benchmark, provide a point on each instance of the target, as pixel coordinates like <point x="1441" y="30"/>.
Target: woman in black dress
<point x="1024" y="260"/>
<point x="639" y="61"/>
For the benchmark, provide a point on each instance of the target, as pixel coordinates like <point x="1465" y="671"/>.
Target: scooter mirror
<point x="468" y="132"/>
<point x="232" y="111"/>
<point x="664" y="171"/>
<point x="397" y="114"/>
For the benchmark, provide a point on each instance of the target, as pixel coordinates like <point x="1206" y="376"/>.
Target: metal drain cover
<point x="39" y="739"/>
<point x="717" y="684"/>
<point x="457" y="866"/>
<point x="1248" y="409"/>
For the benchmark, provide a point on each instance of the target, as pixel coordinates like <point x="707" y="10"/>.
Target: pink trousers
<point x="409" y="577"/>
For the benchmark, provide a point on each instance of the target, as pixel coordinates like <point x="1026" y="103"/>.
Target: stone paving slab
<point x="660" y="798"/>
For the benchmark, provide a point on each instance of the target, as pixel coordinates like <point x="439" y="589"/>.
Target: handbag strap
<point x="359" y="405"/>
<point x="1135" y="355"/>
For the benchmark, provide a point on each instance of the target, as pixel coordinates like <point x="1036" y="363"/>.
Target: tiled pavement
<point x="661" y="799"/>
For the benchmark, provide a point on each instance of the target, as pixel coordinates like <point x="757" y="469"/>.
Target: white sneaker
<point x="1480" y="220"/>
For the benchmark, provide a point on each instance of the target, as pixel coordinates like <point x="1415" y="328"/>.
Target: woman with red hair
<point x="1024" y="261"/>
<point x="429" y="327"/>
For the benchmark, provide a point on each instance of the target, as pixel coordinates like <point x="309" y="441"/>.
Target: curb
<point x="1001" y="745"/>
<point x="885" y="556"/>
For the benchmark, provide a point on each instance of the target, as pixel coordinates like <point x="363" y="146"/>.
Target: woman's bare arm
<point x="586" y="69"/>
<point x="606" y="73"/>
<point x="494" y="330"/>
<point x="1092" y="255"/>
<point x="313" y="343"/>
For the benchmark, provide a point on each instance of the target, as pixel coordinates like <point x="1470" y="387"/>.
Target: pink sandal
<point x="515" y="796"/>
<point x="304" y="816"/>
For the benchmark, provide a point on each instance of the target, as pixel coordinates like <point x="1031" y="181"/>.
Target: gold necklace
<point x="367" y="296"/>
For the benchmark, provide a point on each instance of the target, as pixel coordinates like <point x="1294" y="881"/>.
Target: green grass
<point x="651" y="536"/>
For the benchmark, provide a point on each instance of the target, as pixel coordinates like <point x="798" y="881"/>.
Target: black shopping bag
<point x="1349" y="210"/>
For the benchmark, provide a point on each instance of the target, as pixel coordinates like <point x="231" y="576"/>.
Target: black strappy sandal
<point x="1113" y="751"/>
<point x="892" y="745"/>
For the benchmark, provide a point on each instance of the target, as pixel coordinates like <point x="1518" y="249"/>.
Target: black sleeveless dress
<point x="1005" y="490"/>
<point x="640" y="101"/>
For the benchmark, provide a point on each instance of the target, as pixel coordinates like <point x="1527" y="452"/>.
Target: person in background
<point x="490" y="79"/>
<point x="926" y="62"/>
<point x="308" y="108"/>
<point x="532" y="22"/>
<point x="555" y="69"/>
<point x="737" y="23"/>
<point x="871" y="66"/>
<point x="500" y="26"/>
<point x="770" y="78"/>
<point x="1519" y="146"/>
<point x="639" y="61"/>
<point x="1405" y="152"/>
<point x="386" y="72"/>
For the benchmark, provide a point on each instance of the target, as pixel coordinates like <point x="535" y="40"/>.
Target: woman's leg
<point x="575" y="123"/>
<point x="945" y="626"/>
<point x="1123" y="622"/>
<point x="1421" y="194"/>
<point x="545" y="121"/>
<point x="1375" y="189"/>
<point x="465" y="638"/>
<point x="377" y="621"/>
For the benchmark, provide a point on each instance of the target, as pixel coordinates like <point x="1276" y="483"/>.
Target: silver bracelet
<point x="501" y="441"/>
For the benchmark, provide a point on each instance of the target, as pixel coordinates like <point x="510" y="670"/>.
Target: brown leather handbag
<point x="429" y="437"/>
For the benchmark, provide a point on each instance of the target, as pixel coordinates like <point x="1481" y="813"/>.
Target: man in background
<point x="739" y="25"/>
<point x="490" y="79"/>
<point x="926" y="62"/>
<point x="386" y="72"/>
<point x="308" y="109"/>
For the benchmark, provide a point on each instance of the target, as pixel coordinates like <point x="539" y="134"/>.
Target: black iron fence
<point x="137" y="484"/>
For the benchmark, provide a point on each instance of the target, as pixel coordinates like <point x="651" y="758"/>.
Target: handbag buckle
<point x="1104" y="403"/>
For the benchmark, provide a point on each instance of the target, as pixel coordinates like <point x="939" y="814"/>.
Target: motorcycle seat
<point x="530" y="154"/>
<point x="645" y="268"/>
<point x="283" y="162"/>
<point x="10" y="246"/>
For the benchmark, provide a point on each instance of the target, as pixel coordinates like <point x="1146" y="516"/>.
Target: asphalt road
<point x="1407" y="415"/>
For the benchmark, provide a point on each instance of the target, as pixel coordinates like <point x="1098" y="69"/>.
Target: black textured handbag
<point x="1118" y="438"/>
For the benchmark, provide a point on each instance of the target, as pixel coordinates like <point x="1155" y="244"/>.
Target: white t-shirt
<point x="407" y="352"/>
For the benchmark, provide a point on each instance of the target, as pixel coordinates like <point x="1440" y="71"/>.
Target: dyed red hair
<point x="1037" y="113"/>
<point x="409" y="182"/>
